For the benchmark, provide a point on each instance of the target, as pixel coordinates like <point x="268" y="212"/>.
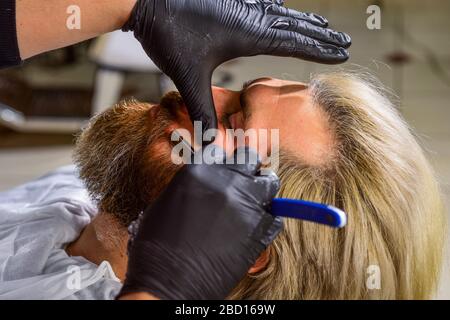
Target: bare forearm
<point x="42" y="25"/>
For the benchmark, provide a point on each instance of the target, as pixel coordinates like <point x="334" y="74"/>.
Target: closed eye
<point x="250" y="82"/>
<point x="225" y="121"/>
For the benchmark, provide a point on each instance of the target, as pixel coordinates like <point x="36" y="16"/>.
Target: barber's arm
<point x="203" y="233"/>
<point x="42" y="25"/>
<point x="186" y="39"/>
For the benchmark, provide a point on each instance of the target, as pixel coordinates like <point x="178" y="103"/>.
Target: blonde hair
<point x="380" y="176"/>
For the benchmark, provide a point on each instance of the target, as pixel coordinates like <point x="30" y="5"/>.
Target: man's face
<point x="268" y="103"/>
<point x="124" y="156"/>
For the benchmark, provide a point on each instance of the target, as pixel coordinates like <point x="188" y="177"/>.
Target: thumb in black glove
<point x="188" y="39"/>
<point x="198" y="240"/>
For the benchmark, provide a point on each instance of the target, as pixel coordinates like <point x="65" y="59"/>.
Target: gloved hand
<point x="188" y="39"/>
<point x="205" y="231"/>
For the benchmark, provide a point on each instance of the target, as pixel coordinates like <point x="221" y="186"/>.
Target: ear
<point x="261" y="262"/>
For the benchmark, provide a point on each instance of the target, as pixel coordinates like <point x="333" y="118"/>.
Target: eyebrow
<point x="250" y="82"/>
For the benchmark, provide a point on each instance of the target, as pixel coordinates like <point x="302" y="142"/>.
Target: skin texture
<point x="378" y="174"/>
<point x="50" y="16"/>
<point x="264" y="103"/>
<point x="268" y="103"/>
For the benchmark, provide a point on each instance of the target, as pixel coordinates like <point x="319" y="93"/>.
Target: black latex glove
<point x="205" y="231"/>
<point x="188" y="39"/>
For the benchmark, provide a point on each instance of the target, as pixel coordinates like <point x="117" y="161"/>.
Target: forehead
<point x="288" y="106"/>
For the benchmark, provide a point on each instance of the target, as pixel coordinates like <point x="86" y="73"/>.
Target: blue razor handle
<point x="309" y="211"/>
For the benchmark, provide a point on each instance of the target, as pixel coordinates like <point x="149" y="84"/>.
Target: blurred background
<point x="44" y="103"/>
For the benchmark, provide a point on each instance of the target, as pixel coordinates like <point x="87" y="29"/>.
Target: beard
<point x="123" y="156"/>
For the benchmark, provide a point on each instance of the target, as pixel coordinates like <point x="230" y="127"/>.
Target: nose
<point x="226" y="101"/>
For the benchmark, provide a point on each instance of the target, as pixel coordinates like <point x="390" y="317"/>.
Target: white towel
<point x="37" y="220"/>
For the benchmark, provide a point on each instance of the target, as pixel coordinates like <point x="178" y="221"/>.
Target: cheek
<point x="267" y="115"/>
<point x="265" y="135"/>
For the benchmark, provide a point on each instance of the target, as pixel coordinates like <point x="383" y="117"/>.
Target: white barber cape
<point x="37" y="220"/>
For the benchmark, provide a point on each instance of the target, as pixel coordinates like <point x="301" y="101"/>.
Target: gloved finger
<point x="271" y="226"/>
<point x="277" y="2"/>
<point x="245" y="160"/>
<point x="290" y="44"/>
<point x="339" y="39"/>
<point x="194" y="86"/>
<point x="271" y="183"/>
<point x="212" y="154"/>
<point x="304" y="16"/>
<point x="264" y="189"/>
